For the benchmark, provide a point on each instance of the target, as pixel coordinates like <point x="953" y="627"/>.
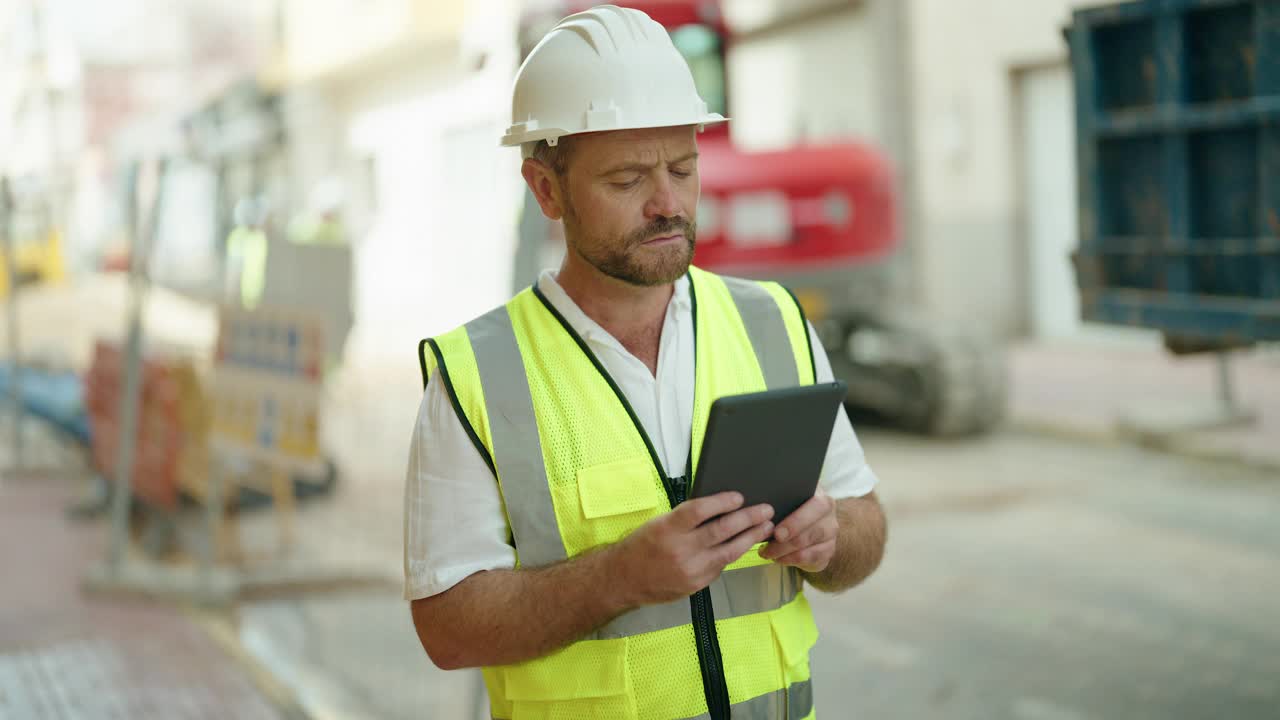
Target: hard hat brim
<point x="515" y="138"/>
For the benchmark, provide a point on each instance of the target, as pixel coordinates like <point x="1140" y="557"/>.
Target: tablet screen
<point x="769" y="446"/>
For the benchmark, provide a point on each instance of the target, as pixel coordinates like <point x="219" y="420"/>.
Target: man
<point x="247" y="247"/>
<point x="548" y="536"/>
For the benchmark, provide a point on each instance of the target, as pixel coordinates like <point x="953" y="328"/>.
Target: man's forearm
<point x="501" y="617"/>
<point x="859" y="546"/>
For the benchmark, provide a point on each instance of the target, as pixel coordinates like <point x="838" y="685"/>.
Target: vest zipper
<point x="714" y="687"/>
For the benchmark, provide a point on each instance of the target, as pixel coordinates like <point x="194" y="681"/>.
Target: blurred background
<point x="1038" y="238"/>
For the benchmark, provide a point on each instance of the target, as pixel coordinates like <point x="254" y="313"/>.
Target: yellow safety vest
<point x="577" y="471"/>
<point x="249" y="247"/>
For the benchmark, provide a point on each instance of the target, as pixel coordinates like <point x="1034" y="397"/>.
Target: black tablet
<point x="769" y="446"/>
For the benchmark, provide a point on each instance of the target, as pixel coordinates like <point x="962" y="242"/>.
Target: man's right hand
<point x="501" y="617"/>
<point x="678" y="554"/>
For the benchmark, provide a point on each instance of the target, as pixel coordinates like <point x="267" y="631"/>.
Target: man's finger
<point x="699" y="510"/>
<point x="813" y="558"/>
<point x="815" y="534"/>
<point x="815" y="509"/>
<point x="726" y="526"/>
<point x="738" y="546"/>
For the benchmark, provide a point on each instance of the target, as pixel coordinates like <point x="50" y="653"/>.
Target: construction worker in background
<point x="321" y="223"/>
<point x="548" y="538"/>
<point x="246" y="266"/>
<point x="320" y="254"/>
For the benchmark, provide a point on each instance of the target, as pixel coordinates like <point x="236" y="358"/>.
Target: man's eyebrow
<point x="642" y="167"/>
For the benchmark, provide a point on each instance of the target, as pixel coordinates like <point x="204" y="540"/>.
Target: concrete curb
<point x="1170" y="444"/>
<point x="298" y="693"/>
<point x="219" y="628"/>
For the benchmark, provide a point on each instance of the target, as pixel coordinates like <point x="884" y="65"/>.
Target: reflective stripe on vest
<point x="768" y="332"/>
<point x="745" y="591"/>
<point x="517" y="450"/>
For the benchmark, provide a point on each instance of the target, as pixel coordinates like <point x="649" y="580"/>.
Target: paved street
<point x="1110" y="381"/>
<point x="1034" y="579"/>
<point x="68" y="656"/>
<point x="1027" y="578"/>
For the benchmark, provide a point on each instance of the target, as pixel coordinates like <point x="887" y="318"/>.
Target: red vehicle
<point x="821" y="219"/>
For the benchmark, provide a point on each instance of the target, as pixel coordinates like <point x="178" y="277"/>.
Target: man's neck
<point x="632" y="314"/>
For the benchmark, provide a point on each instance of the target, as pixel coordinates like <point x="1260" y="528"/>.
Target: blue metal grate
<point x="1178" y="136"/>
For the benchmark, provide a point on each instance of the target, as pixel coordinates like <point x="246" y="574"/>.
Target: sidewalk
<point x="142" y="660"/>
<point x="1093" y="387"/>
<point x="352" y="653"/>
<point x="64" y="655"/>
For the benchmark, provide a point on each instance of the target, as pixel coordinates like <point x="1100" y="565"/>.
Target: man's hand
<point x="806" y="539"/>
<point x="680" y="553"/>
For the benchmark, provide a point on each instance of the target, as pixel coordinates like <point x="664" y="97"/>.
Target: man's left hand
<point x="806" y="539"/>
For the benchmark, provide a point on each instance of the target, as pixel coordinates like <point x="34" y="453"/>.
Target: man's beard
<point x="627" y="260"/>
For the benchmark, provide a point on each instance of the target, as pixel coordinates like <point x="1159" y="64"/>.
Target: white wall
<point x="814" y="80"/>
<point x="336" y="36"/>
<point x="439" y="249"/>
<point x="966" y="158"/>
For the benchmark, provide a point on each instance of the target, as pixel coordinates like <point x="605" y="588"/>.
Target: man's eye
<point x="681" y="173"/>
<point x="627" y="185"/>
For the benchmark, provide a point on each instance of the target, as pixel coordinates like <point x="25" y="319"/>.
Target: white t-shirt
<point x="454" y="522"/>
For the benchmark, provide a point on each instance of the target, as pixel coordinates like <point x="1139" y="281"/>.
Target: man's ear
<point x="545" y="185"/>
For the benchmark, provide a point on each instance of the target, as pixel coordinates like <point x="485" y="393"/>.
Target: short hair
<point x="555" y="156"/>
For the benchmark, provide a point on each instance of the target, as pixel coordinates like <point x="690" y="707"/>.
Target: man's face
<point x="630" y="200"/>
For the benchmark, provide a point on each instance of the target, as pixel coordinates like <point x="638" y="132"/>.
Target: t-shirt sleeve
<point x="454" y="521"/>
<point x="845" y="473"/>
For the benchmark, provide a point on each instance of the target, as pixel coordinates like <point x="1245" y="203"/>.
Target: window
<point x="702" y="48"/>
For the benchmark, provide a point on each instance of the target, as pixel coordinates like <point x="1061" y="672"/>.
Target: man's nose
<point x="663" y="202"/>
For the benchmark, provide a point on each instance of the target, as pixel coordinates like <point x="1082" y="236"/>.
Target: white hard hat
<point x="608" y="68"/>
<point x="251" y="211"/>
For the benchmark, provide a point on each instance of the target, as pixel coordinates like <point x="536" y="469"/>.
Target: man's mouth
<point x="664" y="239"/>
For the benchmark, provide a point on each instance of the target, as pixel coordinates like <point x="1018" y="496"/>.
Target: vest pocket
<point x="615" y="498"/>
<point x="588" y="679"/>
